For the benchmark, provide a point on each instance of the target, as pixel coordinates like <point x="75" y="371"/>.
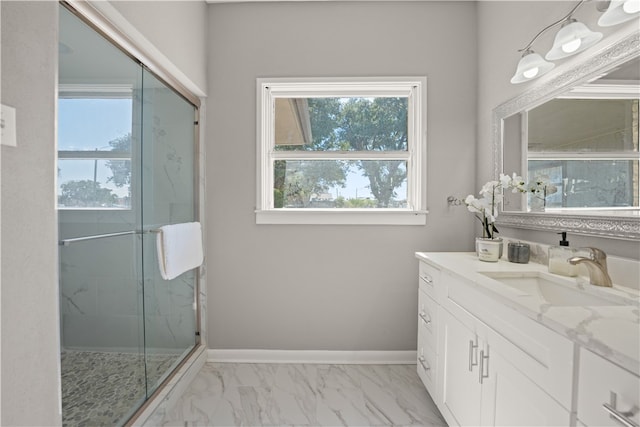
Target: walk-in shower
<point x="126" y="166"/>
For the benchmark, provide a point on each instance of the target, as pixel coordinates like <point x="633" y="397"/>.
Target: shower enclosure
<point x="126" y="166"/>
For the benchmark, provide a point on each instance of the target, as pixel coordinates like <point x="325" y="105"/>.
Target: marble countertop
<point x="612" y="331"/>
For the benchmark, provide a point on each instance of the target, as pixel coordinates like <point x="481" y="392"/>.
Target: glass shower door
<point x="127" y="166"/>
<point x="99" y="218"/>
<point x="168" y="197"/>
<point x="102" y="359"/>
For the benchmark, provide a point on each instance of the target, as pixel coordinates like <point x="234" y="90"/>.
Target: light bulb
<point x="571" y="46"/>
<point x="631" y="6"/>
<point x="531" y="72"/>
<point x="531" y="66"/>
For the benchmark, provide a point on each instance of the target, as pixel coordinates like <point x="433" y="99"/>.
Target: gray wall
<point x="30" y="379"/>
<point x="29" y="267"/>
<point x="330" y="287"/>
<point x="177" y="28"/>
<point x="503" y="28"/>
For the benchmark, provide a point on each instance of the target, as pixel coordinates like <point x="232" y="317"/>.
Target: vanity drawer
<point x="601" y="382"/>
<point x="429" y="277"/>
<point x="427" y="317"/>
<point x="426" y="364"/>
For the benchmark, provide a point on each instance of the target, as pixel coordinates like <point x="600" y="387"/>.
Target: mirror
<point x="578" y="135"/>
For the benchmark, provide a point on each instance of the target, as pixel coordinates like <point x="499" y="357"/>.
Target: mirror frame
<point x="615" y="227"/>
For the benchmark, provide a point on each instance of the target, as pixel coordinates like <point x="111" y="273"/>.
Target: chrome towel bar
<point x="67" y="242"/>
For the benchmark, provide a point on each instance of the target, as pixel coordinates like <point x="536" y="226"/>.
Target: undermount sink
<point x="549" y="289"/>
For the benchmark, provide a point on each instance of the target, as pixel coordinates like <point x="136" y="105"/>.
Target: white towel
<point x="179" y="248"/>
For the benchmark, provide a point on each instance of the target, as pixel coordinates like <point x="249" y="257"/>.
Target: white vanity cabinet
<point x="483" y="381"/>
<point x="607" y="394"/>
<point x="427" y="362"/>
<point x="461" y="389"/>
<point x="492" y="366"/>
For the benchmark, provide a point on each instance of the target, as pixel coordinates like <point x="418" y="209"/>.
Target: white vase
<point x="537" y="204"/>
<point x="489" y="250"/>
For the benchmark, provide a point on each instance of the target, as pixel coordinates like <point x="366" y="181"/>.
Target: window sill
<point x="341" y="217"/>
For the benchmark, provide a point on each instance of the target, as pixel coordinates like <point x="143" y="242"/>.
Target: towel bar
<point x="67" y="242"/>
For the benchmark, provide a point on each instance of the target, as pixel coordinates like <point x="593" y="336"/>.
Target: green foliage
<point x="86" y="193"/>
<point x="296" y="181"/>
<point x="121" y="169"/>
<point x="360" y="203"/>
<point x="351" y="124"/>
<point x="377" y="125"/>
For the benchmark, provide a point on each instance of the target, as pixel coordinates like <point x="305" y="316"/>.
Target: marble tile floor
<point x="231" y="394"/>
<point x="104" y="388"/>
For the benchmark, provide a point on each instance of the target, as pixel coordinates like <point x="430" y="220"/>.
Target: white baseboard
<point x="313" y="357"/>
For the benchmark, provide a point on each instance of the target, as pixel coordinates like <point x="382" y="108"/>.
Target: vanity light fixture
<point x="619" y="11"/>
<point x="530" y="67"/>
<point x="572" y="38"/>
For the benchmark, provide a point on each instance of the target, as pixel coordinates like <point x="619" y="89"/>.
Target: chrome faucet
<point x="596" y="265"/>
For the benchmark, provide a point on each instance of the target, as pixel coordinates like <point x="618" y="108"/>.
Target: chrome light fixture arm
<point x="550" y="26"/>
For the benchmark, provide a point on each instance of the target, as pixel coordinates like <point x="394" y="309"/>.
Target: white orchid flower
<point x="473" y="204"/>
<point x="486" y="207"/>
<point x="489" y="189"/>
<point x="505" y="180"/>
<point x="518" y="184"/>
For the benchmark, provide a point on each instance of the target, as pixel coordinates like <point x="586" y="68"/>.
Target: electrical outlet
<point x="8" y="126"/>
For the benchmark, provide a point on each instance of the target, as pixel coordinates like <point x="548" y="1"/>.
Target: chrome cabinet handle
<point x="619" y="416"/>
<point x="472" y="346"/>
<point x="424" y="318"/>
<point x="428" y="279"/>
<point x="482" y="358"/>
<point x="422" y="361"/>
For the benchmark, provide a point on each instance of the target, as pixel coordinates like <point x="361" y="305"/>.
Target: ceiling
<point x="270" y="1"/>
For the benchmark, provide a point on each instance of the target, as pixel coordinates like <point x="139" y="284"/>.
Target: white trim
<point x="110" y="21"/>
<point x="413" y="88"/>
<point x="95" y="90"/>
<point x="340" y="155"/>
<point x="608" y="90"/>
<point x="583" y="155"/>
<point x="341" y="217"/>
<point x="314" y="357"/>
<point x="270" y="1"/>
<point x="93" y="155"/>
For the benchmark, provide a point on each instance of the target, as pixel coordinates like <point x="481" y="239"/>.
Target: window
<point x="341" y="151"/>
<point x="94" y="147"/>
<point x="587" y="148"/>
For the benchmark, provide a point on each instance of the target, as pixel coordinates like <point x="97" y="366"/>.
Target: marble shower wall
<point x="100" y="294"/>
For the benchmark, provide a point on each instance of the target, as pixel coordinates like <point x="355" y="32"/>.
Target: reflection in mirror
<point x="578" y="134"/>
<point x="584" y="148"/>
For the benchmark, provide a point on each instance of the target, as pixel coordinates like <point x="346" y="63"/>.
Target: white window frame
<point x="413" y="88"/>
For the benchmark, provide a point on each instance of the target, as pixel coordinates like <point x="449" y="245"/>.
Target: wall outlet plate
<point x="8" y="126"/>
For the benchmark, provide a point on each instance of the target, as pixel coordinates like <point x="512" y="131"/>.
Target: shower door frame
<point x="99" y="23"/>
